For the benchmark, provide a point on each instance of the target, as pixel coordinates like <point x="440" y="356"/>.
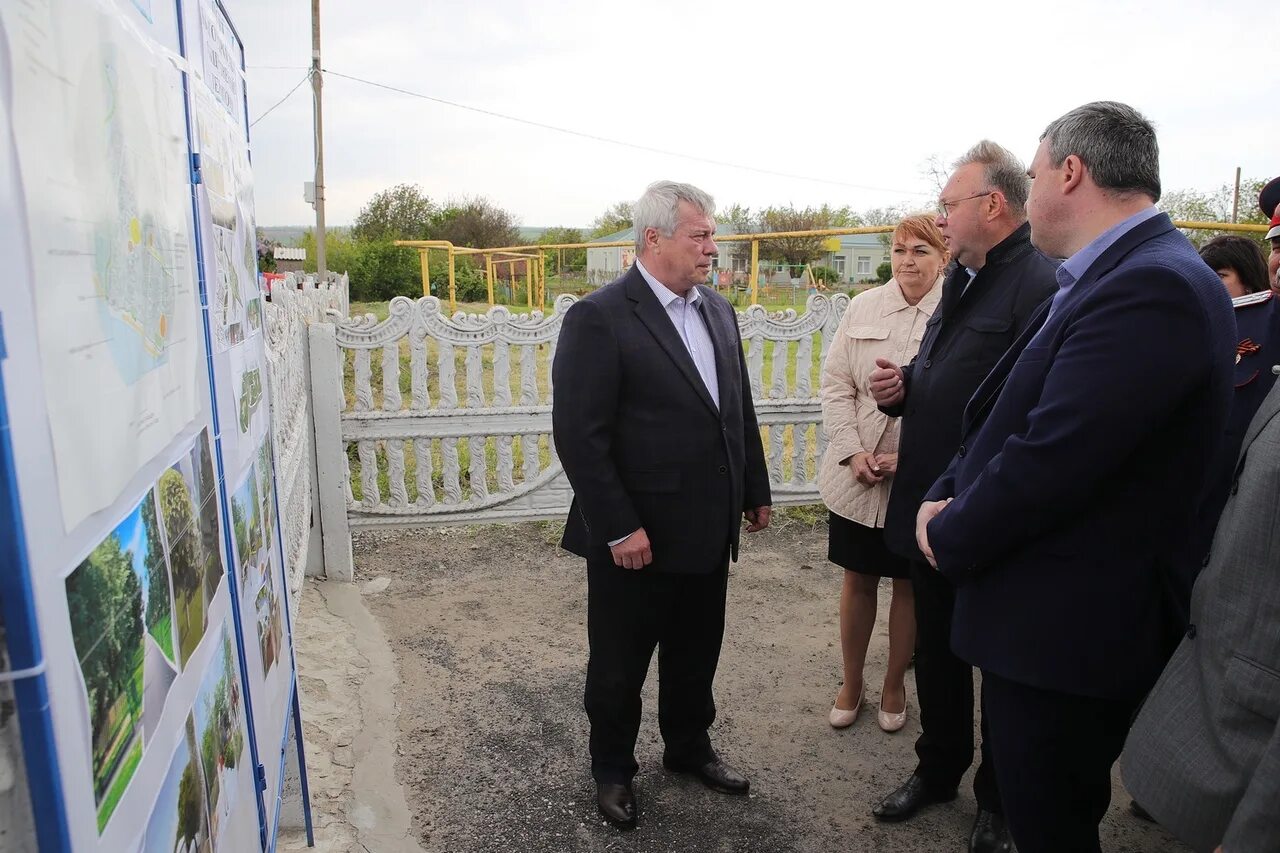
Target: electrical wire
<point x="282" y="100"/>
<point x="611" y="141"/>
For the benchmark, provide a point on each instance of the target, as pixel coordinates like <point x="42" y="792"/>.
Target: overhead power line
<point x="620" y="142"/>
<point x="304" y="79"/>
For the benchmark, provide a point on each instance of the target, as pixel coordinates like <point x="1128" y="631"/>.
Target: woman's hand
<point x="865" y="469"/>
<point x="888" y="463"/>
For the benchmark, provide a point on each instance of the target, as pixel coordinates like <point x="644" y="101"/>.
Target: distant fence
<point x="422" y="419"/>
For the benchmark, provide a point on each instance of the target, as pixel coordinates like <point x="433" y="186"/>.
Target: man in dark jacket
<point x="988" y="300"/>
<point x="1082" y="461"/>
<point x="654" y="424"/>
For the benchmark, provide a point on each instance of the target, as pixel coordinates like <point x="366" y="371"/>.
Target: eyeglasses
<point x="944" y="207"/>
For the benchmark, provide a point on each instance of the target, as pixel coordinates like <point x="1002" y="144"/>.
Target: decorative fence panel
<point x="447" y="420"/>
<point x="296" y="304"/>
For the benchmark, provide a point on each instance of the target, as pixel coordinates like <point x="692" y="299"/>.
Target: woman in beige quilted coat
<point x="857" y="469"/>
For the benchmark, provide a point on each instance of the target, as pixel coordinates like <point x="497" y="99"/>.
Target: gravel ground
<point x="487" y="629"/>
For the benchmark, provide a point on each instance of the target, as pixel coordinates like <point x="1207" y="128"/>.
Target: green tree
<point x="339" y="249"/>
<point x="616" y="218"/>
<point x="575" y="260"/>
<point x="189" y="800"/>
<point x="1215" y="206"/>
<point x="104" y="600"/>
<point x="476" y="223"/>
<point x="801" y="250"/>
<point x="240" y="524"/>
<point x="157" y="575"/>
<point x="208" y="515"/>
<point x="381" y="270"/>
<point x="468" y="281"/>
<point x="184" y="564"/>
<point x="402" y="212"/>
<point x="884" y="272"/>
<point x="266" y="253"/>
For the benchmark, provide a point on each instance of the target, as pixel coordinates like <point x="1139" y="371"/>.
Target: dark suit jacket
<point x="964" y="338"/>
<point x="642" y="442"/>
<point x="1082" y="463"/>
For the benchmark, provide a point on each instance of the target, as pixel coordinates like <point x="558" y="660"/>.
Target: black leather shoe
<point x="715" y="774"/>
<point x="990" y="834"/>
<point x="914" y="795"/>
<point x="617" y="804"/>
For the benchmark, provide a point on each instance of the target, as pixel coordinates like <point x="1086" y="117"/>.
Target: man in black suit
<point x="1066" y="516"/>
<point x="987" y="302"/>
<point x="654" y="424"/>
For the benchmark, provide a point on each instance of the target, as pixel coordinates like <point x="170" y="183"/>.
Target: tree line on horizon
<point x="380" y="270"/>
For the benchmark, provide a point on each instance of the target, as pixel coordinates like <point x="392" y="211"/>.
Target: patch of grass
<point x="121" y="781"/>
<point x="190" y="623"/>
<point x="162" y="631"/>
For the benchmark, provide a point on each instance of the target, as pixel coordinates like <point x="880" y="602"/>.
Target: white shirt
<point x="687" y="319"/>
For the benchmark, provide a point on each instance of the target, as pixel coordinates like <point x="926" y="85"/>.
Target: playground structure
<point x="533" y="257"/>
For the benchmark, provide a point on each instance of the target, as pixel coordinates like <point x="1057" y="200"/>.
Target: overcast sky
<point x="858" y="96"/>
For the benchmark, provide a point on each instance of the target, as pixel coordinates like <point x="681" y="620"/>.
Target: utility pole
<point x="317" y="85"/>
<point x="1235" y="199"/>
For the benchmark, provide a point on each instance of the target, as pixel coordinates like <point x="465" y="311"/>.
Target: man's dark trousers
<point x="1054" y="754"/>
<point x="944" y="689"/>
<point x="629" y="613"/>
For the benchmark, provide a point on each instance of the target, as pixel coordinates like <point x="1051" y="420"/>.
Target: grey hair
<point x="1002" y="171"/>
<point x="659" y="208"/>
<point x="1115" y="142"/>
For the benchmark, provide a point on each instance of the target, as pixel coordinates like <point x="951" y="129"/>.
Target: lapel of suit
<point x="651" y="313"/>
<point x="724" y="334"/>
<point x="1266" y="413"/>
<point x="989" y="390"/>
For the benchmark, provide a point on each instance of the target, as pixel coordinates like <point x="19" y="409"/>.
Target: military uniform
<point x="1257" y="353"/>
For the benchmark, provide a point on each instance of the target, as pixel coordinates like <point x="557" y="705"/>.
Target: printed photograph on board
<point x="220" y="735"/>
<point x="266" y="492"/>
<point x="197" y="472"/>
<point x="122" y="628"/>
<point x="186" y="561"/>
<point x="179" y="821"/>
<point x="246" y="525"/>
<point x="248" y="379"/>
<point x="270" y="617"/>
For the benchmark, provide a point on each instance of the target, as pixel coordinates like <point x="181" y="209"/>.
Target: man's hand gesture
<point x="886" y="383"/>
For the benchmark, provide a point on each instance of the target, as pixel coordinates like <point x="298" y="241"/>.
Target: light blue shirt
<point x="684" y="315"/>
<point x="1074" y="267"/>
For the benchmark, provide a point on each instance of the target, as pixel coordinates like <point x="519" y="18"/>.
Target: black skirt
<point x="858" y="548"/>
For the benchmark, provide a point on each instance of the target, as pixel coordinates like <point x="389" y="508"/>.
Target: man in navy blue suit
<point x="1064" y="519"/>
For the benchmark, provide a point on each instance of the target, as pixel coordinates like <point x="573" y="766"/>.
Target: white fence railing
<point x="422" y="419"/>
<point x="296" y="304"/>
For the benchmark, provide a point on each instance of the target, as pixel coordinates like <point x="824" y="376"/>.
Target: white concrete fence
<point x="423" y="419"/>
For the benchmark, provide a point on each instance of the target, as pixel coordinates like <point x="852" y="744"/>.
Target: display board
<point x="136" y="389"/>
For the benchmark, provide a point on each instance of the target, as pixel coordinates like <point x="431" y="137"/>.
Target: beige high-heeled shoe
<point x="891" y="722"/>
<point x="839" y="718"/>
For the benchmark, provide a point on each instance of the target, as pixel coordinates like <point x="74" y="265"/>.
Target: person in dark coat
<point x="1083" y="460"/>
<point x="1240" y="264"/>
<point x="654" y="424"/>
<point x="988" y="301"/>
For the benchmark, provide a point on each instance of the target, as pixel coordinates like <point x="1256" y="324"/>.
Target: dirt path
<point x="487" y="627"/>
